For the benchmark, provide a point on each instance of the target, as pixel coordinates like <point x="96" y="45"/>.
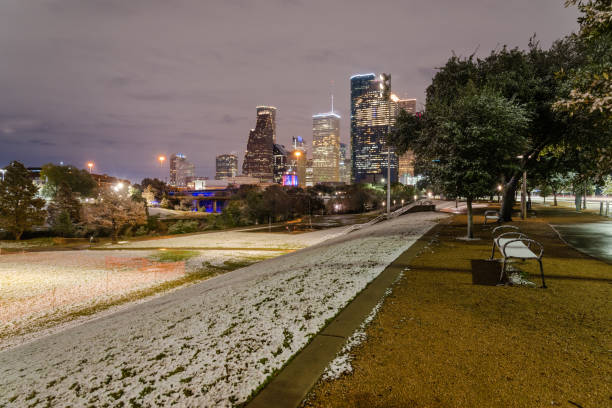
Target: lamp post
<point x="499" y="189"/>
<point x="161" y="161"/>
<point x="90" y="165"/>
<point x="2" y="171"/>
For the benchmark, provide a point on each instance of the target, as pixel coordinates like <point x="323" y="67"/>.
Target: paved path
<point x="594" y="238"/>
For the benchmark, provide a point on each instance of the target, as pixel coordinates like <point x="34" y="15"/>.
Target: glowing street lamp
<point x="297" y="153"/>
<point x="2" y="171"/>
<point x="90" y="165"/>
<point x="161" y="160"/>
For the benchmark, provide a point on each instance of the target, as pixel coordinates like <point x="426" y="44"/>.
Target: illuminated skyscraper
<point x="269" y="110"/>
<point x="326" y="147"/>
<point x="370" y="114"/>
<point x="259" y="157"/>
<point x="181" y="170"/>
<point x="226" y="166"/>
<point x="296" y="162"/>
<point x="345" y="165"/>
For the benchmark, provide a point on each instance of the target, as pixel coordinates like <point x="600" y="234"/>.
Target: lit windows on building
<point x="226" y="166"/>
<point x="181" y="170"/>
<point x="326" y="147"/>
<point x="370" y="116"/>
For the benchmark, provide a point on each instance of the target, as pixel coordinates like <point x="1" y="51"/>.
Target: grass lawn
<point x="440" y="341"/>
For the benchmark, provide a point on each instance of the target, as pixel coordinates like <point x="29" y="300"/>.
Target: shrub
<point x="182" y="227"/>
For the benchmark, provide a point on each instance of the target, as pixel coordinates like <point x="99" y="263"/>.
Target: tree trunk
<point x="555" y="198"/>
<point x="508" y="199"/>
<point x="18" y="235"/>
<point x="584" y="197"/>
<point x="470" y="219"/>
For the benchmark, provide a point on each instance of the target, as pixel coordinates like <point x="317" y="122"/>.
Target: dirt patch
<point x="440" y="341"/>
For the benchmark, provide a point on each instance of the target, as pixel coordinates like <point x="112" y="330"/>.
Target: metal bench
<point x="491" y="215"/>
<point x="514" y="244"/>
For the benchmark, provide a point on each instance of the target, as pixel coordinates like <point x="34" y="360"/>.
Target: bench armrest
<point x="511" y="234"/>
<point x="529" y="242"/>
<point x="502" y="227"/>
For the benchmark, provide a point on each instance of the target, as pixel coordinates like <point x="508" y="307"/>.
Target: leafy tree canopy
<point x="20" y="209"/>
<point x="79" y="180"/>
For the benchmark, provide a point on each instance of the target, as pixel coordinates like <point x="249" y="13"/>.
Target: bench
<point x="514" y="244"/>
<point x="491" y="215"/>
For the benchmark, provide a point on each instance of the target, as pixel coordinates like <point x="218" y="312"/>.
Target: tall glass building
<point x="326" y="147"/>
<point x="370" y="114"/>
<point x="259" y="157"/>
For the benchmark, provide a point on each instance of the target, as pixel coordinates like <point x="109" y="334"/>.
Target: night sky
<point x="120" y="82"/>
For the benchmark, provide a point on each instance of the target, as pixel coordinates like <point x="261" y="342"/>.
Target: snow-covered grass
<point x="41" y="286"/>
<point x="238" y="239"/>
<point x="213" y="343"/>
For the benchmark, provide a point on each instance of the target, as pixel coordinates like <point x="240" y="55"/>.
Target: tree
<point x="79" y="180"/>
<point x="20" y="209"/>
<point x="64" y="211"/>
<point x="113" y="211"/>
<point x="148" y="194"/>
<point x="464" y="145"/>
<point x="159" y="187"/>
<point x="589" y="86"/>
<point x="529" y="78"/>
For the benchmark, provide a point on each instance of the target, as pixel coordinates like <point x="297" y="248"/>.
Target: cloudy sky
<point x="120" y="82"/>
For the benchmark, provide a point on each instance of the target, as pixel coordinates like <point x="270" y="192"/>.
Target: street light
<point x="90" y="165"/>
<point x="2" y="171"/>
<point x="161" y="160"/>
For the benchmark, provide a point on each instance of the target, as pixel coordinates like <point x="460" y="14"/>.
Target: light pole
<point x="2" y="171"/>
<point x="90" y="165"/>
<point x="161" y="161"/>
<point x="385" y="93"/>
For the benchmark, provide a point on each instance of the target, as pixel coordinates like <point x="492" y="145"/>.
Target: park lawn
<point x="440" y="341"/>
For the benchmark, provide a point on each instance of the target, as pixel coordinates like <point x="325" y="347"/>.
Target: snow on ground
<point x="239" y="239"/>
<point x="210" y="344"/>
<point x="44" y="284"/>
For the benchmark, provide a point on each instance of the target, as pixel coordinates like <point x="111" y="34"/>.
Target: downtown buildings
<point x="181" y="170"/>
<point x="326" y="148"/>
<point x="371" y="116"/>
<point x="226" y="165"/>
<point x="259" y="156"/>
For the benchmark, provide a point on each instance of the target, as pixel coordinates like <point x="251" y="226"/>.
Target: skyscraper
<point x="370" y="115"/>
<point x="326" y="147"/>
<point x="226" y="166"/>
<point x="269" y="110"/>
<point x="280" y="162"/>
<point x="181" y="170"/>
<point x="259" y="157"/>
<point x="345" y="165"/>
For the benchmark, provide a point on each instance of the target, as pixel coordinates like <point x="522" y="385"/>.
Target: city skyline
<point x="99" y="82"/>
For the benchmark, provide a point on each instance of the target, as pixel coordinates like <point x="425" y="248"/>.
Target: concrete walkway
<point x="594" y="239"/>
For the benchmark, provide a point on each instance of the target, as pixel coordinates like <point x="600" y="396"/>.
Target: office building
<point x="269" y="110"/>
<point x="226" y="166"/>
<point x="345" y="165"/>
<point x="280" y="162"/>
<point x="370" y="116"/>
<point x="309" y="174"/>
<point x="181" y="170"/>
<point x="409" y="105"/>
<point x="259" y="156"/>
<point x="326" y="147"/>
